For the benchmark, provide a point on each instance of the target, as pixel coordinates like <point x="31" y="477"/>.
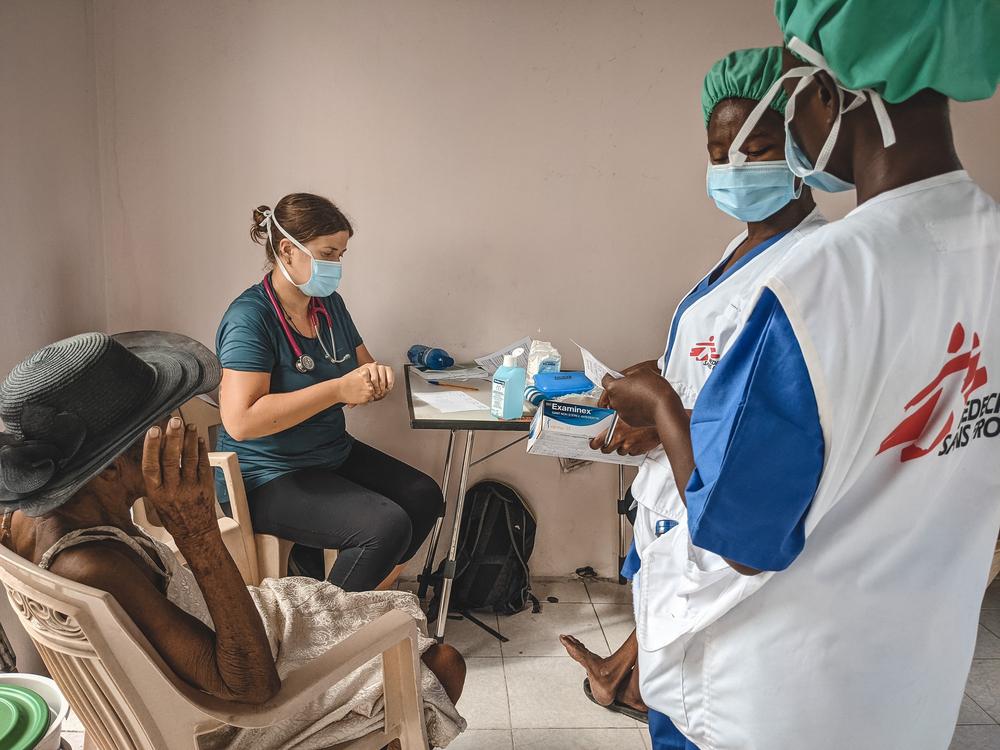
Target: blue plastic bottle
<point x="508" y="388"/>
<point x="431" y="358"/>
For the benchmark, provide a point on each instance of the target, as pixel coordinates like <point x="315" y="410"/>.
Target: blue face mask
<point x="324" y="278"/>
<point x="751" y="191"/>
<point x="324" y="275"/>
<point x="800" y="166"/>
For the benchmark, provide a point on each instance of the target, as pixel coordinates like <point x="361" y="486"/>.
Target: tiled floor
<point x="526" y="694"/>
<point x="545" y="707"/>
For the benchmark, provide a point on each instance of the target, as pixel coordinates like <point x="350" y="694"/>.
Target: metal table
<point x="423" y="416"/>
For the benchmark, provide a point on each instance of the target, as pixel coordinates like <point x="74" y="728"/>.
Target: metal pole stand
<point x="622" y="523"/>
<point x="425" y="578"/>
<point x="448" y="573"/>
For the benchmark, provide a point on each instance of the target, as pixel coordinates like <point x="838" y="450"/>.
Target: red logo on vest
<point x="925" y="404"/>
<point x="704" y="351"/>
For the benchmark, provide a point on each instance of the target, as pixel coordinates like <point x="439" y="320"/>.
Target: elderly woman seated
<point x="86" y="438"/>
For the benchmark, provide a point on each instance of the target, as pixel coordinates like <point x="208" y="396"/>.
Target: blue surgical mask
<point x="800" y="166"/>
<point x="811" y="174"/>
<point x="324" y="275"/>
<point x="751" y="191"/>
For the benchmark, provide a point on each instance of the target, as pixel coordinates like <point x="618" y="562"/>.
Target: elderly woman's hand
<point x="179" y="480"/>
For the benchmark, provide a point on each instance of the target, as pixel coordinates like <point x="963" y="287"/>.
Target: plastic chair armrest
<point x="228" y="462"/>
<point x="306" y="685"/>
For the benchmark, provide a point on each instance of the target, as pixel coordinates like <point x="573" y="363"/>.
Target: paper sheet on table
<point x="458" y="372"/>
<point x="492" y="362"/>
<point x="447" y="403"/>
<point x="594" y="369"/>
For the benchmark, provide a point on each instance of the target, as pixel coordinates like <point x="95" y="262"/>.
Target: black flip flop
<point x="618" y="708"/>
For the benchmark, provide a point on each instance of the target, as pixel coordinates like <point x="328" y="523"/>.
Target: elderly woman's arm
<point x="235" y="661"/>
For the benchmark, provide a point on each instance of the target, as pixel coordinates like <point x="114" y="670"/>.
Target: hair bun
<point x="258" y="233"/>
<point x="260" y="213"/>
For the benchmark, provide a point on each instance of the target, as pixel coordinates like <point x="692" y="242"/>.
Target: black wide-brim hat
<point x="74" y="406"/>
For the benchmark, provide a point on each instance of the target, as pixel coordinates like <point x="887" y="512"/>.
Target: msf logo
<point x="705" y="352"/>
<point x="962" y="373"/>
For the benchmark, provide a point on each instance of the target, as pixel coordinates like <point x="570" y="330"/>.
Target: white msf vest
<point x="704" y="333"/>
<point x="865" y="641"/>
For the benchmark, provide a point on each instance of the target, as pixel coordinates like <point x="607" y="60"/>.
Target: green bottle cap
<point x="24" y="717"/>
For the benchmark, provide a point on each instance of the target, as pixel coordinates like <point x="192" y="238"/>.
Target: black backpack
<point x="495" y="540"/>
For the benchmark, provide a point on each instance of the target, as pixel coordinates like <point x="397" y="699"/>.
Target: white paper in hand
<point x="594" y="369"/>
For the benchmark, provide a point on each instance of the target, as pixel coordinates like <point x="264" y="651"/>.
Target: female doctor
<point x="292" y="360"/>
<point x="762" y="193"/>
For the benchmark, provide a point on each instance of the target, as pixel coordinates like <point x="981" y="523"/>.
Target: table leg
<point x="622" y="523"/>
<point x="425" y="577"/>
<point x="449" y="564"/>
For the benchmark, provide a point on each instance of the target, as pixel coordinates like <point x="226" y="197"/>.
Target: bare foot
<point x="603" y="681"/>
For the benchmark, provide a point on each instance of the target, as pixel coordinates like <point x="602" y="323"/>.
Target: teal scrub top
<point x="251" y="339"/>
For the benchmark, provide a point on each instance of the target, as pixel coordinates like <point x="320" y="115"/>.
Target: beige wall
<point x="52" y="260"/>
<point x="512" y="168"/>
<point x="53" y="268"/>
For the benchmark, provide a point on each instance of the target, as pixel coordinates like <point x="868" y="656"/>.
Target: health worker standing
<point x="778" y="211"/>
<point x="836" y="458"/>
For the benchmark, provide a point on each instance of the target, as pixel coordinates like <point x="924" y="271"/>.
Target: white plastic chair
<point x="128" y="699"/>
<point x="258" y="556"/>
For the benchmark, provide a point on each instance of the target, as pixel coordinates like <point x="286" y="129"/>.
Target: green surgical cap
<point x="743" y="74"/>
<point x="899" y="47"/>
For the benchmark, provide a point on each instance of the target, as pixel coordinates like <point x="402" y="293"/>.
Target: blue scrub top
<point x="250" y="339"/>
<point x="707" y="285"/>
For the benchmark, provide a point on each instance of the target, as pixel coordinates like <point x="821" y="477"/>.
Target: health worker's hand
<point x="383" y="380"/>
<point x="358" y="386"/>
<point x="648" y="365"/>
<point x="627" y="440"/>
<point x="179" y="480"/>
<point x="638" y="397"/>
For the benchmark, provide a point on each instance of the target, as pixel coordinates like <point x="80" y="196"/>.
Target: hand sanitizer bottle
<point x="508" y="388"/>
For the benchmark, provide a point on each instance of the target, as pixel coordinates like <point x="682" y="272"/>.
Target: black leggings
<point x="374" y="509"/>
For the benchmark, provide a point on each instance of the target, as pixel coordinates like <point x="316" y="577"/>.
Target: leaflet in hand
<point x="594" y="369"/>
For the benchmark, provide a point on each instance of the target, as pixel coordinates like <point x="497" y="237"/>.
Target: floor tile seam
<point x="994" y="719"/>
<point x="600" y="624"/>
<point x="506" y="690"/>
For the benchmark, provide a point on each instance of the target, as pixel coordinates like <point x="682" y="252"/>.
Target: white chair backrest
<point x="126" y="696"/>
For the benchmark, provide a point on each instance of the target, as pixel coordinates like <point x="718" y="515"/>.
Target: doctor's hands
<point x="370" y="382"/>
<point x="383" y="379"/>
<point x="639" y="397"/>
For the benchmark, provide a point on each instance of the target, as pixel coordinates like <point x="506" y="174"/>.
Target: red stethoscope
<point x="303" y="362"/>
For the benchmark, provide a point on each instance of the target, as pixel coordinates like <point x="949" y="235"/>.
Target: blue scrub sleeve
<point x="758" y="447"/>
<point x="244" y="341"/>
